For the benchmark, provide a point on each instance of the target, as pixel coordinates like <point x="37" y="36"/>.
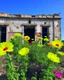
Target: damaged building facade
<point x="45" y="25"/>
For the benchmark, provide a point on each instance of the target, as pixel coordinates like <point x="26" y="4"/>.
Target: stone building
<point x="45" y="25"/>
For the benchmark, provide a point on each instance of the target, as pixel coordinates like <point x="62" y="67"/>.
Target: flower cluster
<point x="57" y="74"/>
<point x="8" y="47"/>
<point x="26" y="54"/>
<point x="53" y="56"/>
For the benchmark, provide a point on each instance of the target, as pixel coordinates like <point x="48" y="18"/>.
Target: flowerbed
<point x="32" y="60"/>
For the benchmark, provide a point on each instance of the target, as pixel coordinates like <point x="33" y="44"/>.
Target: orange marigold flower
<point x="38" y="34"/>
<point x="49" y="44"/>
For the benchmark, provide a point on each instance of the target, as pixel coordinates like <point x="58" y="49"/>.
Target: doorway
<point x="30" y="32"/>
<point x="2" y="33"/>
<point x="45" y="32"/>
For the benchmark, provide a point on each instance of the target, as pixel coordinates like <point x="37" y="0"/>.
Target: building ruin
<point x="46" y="25"/>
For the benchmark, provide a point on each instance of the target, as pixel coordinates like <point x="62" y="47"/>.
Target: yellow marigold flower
<point x="57" y="43"/>
<point x="12" y="37"/>
<point x="23" y="51"/>
<point x="40" y="38"/>
<point x="40" y="45"/>
<point x="32" y="39"/>
<point x="61" y="53"/>
<point x="2" y="52"/>
<point x="46" y="39"/>
<point x="5" y="47"/>
<point x="53" y="57"/>
<point x="27" y="38"/>
<point x="18" y="34"/>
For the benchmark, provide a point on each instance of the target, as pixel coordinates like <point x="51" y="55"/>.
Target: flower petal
<point x="23" y="51"/>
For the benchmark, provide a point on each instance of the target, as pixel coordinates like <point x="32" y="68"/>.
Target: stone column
<point x="51" y="29"/>
<point x="7" y="33"/>
<point x="22" y="30"/>
<point x="57" y="29"/>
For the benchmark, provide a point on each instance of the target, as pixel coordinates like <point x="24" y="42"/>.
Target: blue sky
<point x="34" y="7"/>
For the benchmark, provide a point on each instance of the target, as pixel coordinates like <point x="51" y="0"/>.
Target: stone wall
<point x="57" y="29"/>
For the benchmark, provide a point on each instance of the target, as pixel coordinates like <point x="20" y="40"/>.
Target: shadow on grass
<point x="3" y="77"/>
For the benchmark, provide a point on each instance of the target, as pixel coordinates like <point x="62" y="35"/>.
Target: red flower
<point x="55" y="71"/>
<point x="3" y="60"/>
<point x="32" y="42"/>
